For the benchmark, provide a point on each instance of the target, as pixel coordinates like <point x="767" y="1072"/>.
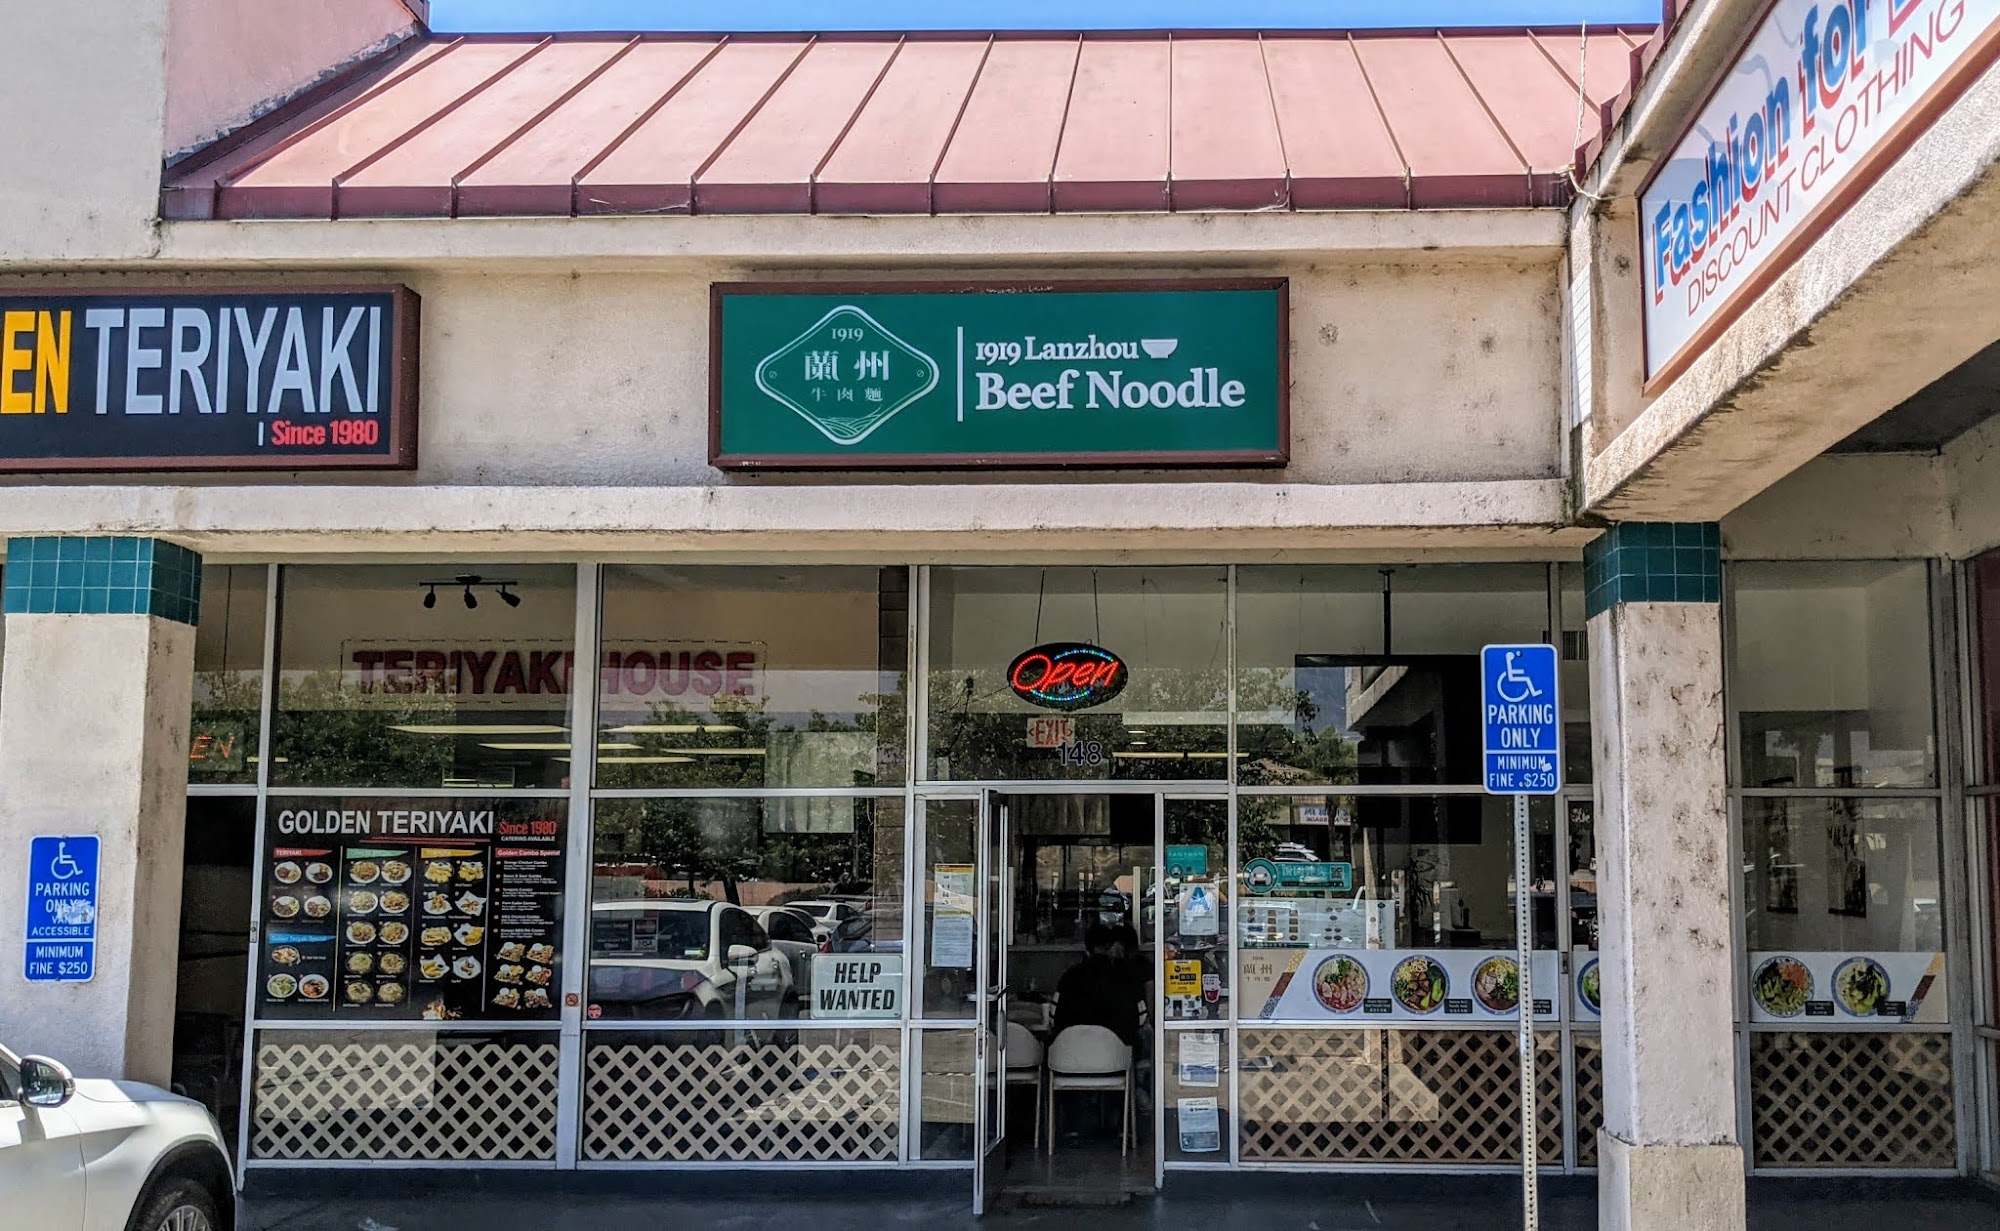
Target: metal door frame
<point x="991" y="878"/>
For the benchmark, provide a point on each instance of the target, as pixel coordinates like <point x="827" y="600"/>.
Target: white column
<point x="1669" y="1155"/>
<point x="93" y="740"/>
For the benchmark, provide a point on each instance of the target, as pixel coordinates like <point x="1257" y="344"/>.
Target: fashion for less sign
<point x="999" y="374"/>
<point x="173" y="380"/>
<point x="1823" y="97"/>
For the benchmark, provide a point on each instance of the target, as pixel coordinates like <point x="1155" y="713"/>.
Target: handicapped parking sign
<point x="61" y="940"/>
<point x="1522" y="719"/>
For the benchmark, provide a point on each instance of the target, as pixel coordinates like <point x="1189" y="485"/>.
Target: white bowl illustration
<point x="1160" y="348"/>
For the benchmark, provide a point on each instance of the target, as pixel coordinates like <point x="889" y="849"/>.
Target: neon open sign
<point x="1067" y="675"/>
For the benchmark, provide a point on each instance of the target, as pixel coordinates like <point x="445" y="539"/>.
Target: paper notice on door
<point x="954" y="901"/>
<point x="1200" y="1059"/>
<point x="1200" y="1126"/>
<point x="1183" y="977"/>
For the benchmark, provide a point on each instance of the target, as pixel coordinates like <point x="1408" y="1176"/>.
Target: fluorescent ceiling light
<point x="723" y="752"/>
<point x="478" y="728"/>
<point x="645" y="760"/>
<point x="1267" y="718"/>
<point x="1176" y="718"/>
<point x="686" y="728"/>
<point x="507" y="746"/>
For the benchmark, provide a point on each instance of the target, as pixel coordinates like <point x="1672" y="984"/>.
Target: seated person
<point x="1099" y="990"/>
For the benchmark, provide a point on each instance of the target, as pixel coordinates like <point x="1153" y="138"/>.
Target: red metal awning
<point x="949" y="124"/>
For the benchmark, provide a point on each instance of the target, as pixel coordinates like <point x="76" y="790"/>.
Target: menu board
<point x="418" y="910"/>
<point x="1396" y="985"/>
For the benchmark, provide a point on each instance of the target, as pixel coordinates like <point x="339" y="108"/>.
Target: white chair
<point x="1024" y="1066"/>
<point x="1090" y="1058"/>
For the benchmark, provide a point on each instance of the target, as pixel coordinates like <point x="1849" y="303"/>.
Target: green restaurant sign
<point x="909" y="375"/>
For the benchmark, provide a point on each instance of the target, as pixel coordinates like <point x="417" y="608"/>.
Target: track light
<point x="468" y="582"/>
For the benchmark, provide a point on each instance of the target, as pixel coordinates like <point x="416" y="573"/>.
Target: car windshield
<point x="679" y="934"/>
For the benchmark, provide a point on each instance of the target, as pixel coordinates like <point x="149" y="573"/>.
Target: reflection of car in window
<point x="679" y="959"/>
<point x="791" y="933"/>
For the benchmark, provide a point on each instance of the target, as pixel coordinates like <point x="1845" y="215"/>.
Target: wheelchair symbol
<point x="63" y="867"/>
<point x="1522" y="689"/>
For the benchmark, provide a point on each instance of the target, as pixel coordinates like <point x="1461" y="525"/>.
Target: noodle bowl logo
<point x="1067" y="675"/>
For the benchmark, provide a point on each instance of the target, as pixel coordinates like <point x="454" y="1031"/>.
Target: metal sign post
<point x="1522" y="719"/>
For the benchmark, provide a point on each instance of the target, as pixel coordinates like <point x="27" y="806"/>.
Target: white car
<point x="829" y="915"/>
<point x="106" y="1155"/>
<point x="679" y="958"/>
<point x="791" y="932"/>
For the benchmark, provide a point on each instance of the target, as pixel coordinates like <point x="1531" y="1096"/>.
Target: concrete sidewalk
<point x="748" y="1201"/>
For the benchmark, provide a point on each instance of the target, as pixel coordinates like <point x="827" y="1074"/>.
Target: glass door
<point x="995" y="916"/>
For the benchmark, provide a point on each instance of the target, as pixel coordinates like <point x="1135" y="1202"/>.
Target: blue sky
<point x="542" y="15"/>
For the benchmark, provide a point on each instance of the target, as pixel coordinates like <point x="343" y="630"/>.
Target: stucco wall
<point x="81" y="87"/>
<point x="1440" y="372"/>
<point x="227" y="61"/>
<point x="1899" y="289"/>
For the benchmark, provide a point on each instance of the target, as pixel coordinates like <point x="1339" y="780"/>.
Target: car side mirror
<point x="45" y="1083"/>
<point x="742" y="953"/>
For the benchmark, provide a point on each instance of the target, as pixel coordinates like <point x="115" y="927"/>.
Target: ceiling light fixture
<point x="478" y="728"/>
<point x="467" y="582"/>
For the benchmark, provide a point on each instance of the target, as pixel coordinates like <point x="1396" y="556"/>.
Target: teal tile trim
<point x="1653" y="562"/>
<point x="102" y="575"/>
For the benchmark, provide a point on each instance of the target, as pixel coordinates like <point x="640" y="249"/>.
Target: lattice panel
<point x="1589" y="1096"/>
<point x="658" y="1102"/>
<point x="403" y="1096"/>
<point x="1852" y="1100"/>
<point x="1433" y="1096"/>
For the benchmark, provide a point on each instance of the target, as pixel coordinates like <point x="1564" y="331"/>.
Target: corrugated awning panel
<point x="605" y="124"/>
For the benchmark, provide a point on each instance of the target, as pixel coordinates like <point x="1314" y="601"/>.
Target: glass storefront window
<point x="1196" y="915"/>
<point x="380" y="686"/>
<point x="1169" y="626"/>
<point x="228" y="674"/>
<point x="1575" y="675"/>
<point x="1351" y="906"/>
<point x="1983" y="579"/>
<point x="1842" y="874"/>
<point x="948" y="1069"/>
<point x="950" y="902"/>
<point x="1363" y="675"/>
<point x="1843" y="909"/>
<point x="1196" y="1077"/>
<point x="1991" y="805"/>
<point x="736" y="908"/>
<point x="1830" y="674"/>
<point x="752" y="677"/>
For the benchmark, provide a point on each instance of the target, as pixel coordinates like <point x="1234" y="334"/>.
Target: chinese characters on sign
<point x="923" y="374"/>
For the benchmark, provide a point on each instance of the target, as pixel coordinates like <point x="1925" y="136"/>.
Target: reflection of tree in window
<point x="730" y="743"/>
<point x="1309" y="750"/>
<point x="712" y="848"/>
<point x="333" y="734"/>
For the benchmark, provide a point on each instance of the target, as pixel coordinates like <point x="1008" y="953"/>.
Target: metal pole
<point x="1524" y="940"/>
